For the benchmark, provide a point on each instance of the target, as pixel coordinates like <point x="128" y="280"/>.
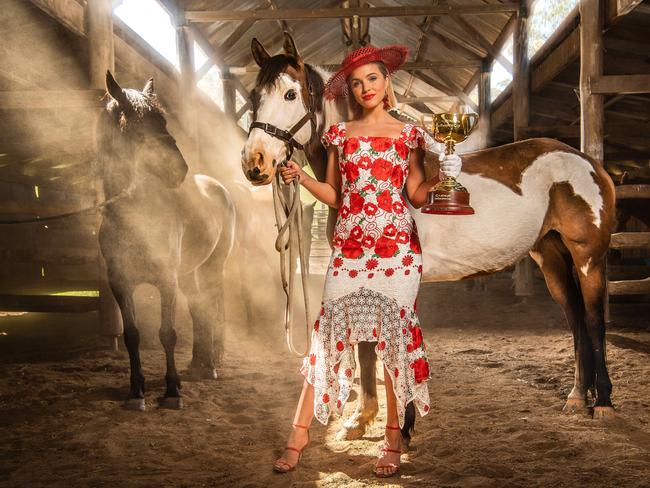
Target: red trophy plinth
<point x="449" y="197"/>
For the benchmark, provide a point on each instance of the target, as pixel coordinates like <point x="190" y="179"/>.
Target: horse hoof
<point x="197" y="373"/>
<point x="172" y="403"/>
<point x="136" y="404"/>
<point x="575" y="406"/>
<point x="350" y="433"/>
<point x="604" y="413"/>
<point x="406" y="444"/>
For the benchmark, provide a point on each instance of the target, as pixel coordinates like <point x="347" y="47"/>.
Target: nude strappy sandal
<point x="385" y="449"/>
<point x="285" y="467"/>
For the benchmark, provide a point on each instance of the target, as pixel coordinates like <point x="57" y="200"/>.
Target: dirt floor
<point x="502" y="370"/>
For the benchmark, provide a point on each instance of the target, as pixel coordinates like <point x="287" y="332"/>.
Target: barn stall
<point x="502" y="352"/>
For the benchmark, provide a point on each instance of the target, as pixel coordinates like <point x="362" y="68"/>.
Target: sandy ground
<point x="501" y="373"/>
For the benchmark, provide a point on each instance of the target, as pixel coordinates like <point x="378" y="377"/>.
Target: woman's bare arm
<point x="329" y="191"/>
<point x="417" y="186"/>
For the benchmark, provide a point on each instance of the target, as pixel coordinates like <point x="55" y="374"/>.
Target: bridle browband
<point x="287" y="136"/>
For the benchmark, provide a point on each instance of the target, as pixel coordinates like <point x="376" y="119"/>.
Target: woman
<point x="374" y="272"/>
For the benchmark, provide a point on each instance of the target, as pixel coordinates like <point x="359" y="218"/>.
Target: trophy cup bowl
<point x="449" y="197"/>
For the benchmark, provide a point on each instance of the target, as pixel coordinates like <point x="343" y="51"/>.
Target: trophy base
<point x="448" y="202"/>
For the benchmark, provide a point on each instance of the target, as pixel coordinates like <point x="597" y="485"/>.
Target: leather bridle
<point x="287" y="136"/>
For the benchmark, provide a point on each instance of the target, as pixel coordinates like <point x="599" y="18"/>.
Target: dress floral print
<point x="373" y="276"/>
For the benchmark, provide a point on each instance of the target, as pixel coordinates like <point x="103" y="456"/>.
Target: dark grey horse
<point x="164" y="229"/>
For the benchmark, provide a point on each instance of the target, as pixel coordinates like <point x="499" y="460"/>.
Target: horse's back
<point x="208" y="220"/>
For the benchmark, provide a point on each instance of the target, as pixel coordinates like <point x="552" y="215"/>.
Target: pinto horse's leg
<point x="167" y="334"/>
<point x="556" y="264"/>
<point x="124" y="297"/>
<point x="592" y="283"/>
<point x="367" y="407"/>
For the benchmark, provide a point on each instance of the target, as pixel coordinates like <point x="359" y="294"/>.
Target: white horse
<point x="537" y="196"/>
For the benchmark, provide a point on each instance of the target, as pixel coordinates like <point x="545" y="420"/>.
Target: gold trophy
<point x="449" y="197"/>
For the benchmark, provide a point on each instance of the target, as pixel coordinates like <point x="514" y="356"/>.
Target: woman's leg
<point x="299" y="436"/>
<point x="390" y="461"/>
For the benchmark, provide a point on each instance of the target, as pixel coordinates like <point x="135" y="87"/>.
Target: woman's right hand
<point x="290" y="171"/>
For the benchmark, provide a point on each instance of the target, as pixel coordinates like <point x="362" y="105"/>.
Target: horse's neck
<point x="333" y="111"/>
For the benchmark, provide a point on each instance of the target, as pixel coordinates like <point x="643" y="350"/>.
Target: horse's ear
<point x="115" y="90"/>
<point x="290" y="47"/>
<point x="148" y="87"/>
<point x="260" y="54"/>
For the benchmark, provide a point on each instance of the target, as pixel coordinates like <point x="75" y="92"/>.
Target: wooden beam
<point x="500" y="41"/>
<point x="54" y="99"/>
<point x="617" y="9"/>
<point x="591" y="68"/>
<point x="340" y="13"/>
<point x="440" y="36"/>
<point x="556" y="62"/>
<point x="446" y="87"/>
<point x="484" y="43"/>
<point x="411" y="100"/>
<point x="408" y="66"/>
<point x="621" y="84"/>
<point x="48" y="303"/>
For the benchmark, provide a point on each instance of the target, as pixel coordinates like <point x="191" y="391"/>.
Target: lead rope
<point x="288" y="218"/>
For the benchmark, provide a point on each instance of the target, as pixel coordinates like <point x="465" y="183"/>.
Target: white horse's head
<point x="287" y="91"/>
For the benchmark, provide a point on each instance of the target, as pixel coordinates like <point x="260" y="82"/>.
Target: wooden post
<point x="101" y="55"/>
<point x="229" y="95"/>
<point x="591" y="68"/>
<point x="187" y="87"/>
<point x="592" y="112"/>
<point x="523" y="275"/>
<point x="484" y="105"/>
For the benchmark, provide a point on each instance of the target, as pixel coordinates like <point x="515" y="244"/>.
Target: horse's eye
<point x="290" y="95"/>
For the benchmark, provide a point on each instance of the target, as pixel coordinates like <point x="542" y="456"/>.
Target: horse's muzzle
<point x="256" y="175"/>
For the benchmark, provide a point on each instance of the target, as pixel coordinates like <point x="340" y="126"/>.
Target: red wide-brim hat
<point x="392" y="56"/>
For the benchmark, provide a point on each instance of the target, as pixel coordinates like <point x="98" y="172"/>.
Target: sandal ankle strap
<point x="301" y="426"/>
<point x="390" y="427"/>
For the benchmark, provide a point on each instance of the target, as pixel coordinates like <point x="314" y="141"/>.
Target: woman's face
<point x="368" y="85"/>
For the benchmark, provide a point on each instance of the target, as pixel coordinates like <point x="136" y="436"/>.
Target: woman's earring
<point x="386" y="103"/>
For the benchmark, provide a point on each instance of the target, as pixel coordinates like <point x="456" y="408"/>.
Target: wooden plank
<point x="627" y="272"/>
<point x="632" y="191"/>
<point x="48" y="303"/>
<point x="341" y="13"/>
<point x="51" y="99"/>
<point x="621" y="84"/>
<point x="629" y="287"/>
<point x="46" y="255"/>
<point x="630" y="240"/>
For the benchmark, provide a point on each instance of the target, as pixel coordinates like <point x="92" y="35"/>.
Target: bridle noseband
<point x="287" y="136"/>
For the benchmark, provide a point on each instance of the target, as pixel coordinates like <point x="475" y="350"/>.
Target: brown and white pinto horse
<point x="537" y="196"/>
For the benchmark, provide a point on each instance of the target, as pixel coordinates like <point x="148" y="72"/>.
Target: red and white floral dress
<point x="373" y="277"/>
